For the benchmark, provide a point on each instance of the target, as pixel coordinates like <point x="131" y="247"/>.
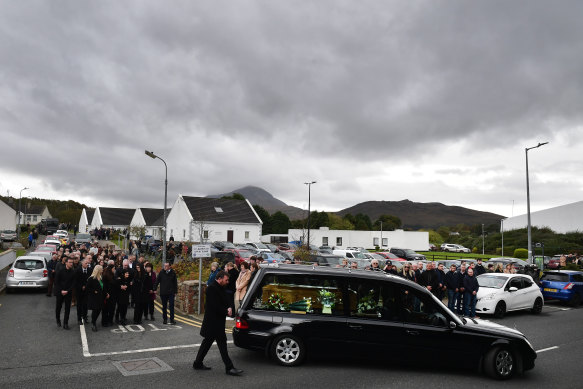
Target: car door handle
<point x="412" y="332"/>
<point x="355" y="326"/>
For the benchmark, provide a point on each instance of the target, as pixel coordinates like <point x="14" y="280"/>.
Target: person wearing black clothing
<point x="479" y="269"/>
<point x="124" y="285"/>
<point x="460" y="277"/>
<point x="82" y="273"/>
<point x="451" y="283"/>
<point x="138" y="293"/>
<point x="168" y="288"/>
<point x="471" y="288"/>
<point x="95" y="294"/>
<point x="217" y="307"/>
<point x="429" y="279"/>
<point x="441" y="281"/>
<point x="151" y="294"/>
<point x="51" y="267"/>
<point x="108" y="280"/>
<point x="231" y="287"/>
<point x="64" y="285"/>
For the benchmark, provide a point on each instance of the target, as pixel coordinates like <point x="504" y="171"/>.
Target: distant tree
<point x="319" y="219"/>
<point x="234" y="196"/>
<point x="351" y="219"/>
<point x="444" y="232"/>
<point x="362" y="222"/>
<point x="339" y="223"/>
<point x="390" y="223"/>
<point x="280" y="223"/>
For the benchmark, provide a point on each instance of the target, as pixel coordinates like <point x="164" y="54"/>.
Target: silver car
<point x="8" y="235"/>
<point x="28" y="272"/>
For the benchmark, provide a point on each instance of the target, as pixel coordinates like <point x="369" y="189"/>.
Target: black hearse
<point x="291" y="311"/>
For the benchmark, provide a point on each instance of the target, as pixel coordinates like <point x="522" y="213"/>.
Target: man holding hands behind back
<point x="217" y="307"/>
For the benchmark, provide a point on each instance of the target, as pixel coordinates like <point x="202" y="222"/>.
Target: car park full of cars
<point x="291" y="312"/>
<point x="27" y="272"/>
<point x="240" y="255"/>
<point x="501" y="292"/>
<point x="269" y="257"/>
<point x="564" y="285"/>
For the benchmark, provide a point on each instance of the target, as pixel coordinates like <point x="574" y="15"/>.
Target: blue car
<point x="272" y="257"/>
<point x="564" y="285"/>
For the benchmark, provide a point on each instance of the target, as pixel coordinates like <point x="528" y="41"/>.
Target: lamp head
<point x="150" y="154"/>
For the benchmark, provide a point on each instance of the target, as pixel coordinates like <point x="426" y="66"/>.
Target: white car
<point x="500" y="293"/>
<point x="455" y="248"/>
<point x="53" y="239"/>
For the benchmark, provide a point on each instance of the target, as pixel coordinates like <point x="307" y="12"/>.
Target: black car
<point x="325" y="259"/>
<point x="291" y="311"/>
<point x="407" y="254"/>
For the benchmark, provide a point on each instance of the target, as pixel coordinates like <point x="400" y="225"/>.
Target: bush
<point x="475" y="250"/>
<point x="521" y="253"/>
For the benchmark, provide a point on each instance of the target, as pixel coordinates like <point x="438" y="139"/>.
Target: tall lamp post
<point x="309" y="184"/>
<point x="154" y="156"/>
<point x="528" y="200"/>
<point x="19" y="201"/>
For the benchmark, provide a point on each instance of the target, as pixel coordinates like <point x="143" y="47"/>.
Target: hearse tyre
<point x="288" y="350"/>
<point x="500" y="363"/>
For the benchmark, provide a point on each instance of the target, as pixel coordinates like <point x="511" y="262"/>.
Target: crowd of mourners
<point x="108" y="283"/>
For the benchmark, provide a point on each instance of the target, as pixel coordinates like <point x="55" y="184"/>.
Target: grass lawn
<point x="442" y="256"/>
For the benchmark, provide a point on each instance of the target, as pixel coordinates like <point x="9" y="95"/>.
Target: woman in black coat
<point x="124" y="287"/>
<point x="95" y="295"/>
<point x="108" y="303"/>
<point x="137" y="294"/>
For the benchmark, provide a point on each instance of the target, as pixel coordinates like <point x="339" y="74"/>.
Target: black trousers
<point x="122" y="311"/>
<point x="81" y="309"/>
<point x="94" y="315"/>
<point x="138" y="307"/>
<point x="149" y="308"/>
<point x="60" y="300"/>
<point x="206" y="345"/>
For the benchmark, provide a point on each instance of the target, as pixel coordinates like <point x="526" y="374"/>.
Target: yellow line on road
<point x="182" y="319"/>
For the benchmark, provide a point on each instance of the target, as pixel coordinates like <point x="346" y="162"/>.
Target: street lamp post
<point x="18" y="224"/>
<point x="502" y="231"/>
<point x="309" y="184"/>
<point x="528" y="200"/>
<point x="483" y="239"/>
<point x="154" y="156"/>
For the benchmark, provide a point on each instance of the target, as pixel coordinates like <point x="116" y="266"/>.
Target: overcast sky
<point x="375" y="100"/>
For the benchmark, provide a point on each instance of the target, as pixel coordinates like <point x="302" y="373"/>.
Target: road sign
<point x="201" y="251"/>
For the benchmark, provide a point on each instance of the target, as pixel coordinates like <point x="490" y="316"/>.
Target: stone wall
<point x="187" y="298"/>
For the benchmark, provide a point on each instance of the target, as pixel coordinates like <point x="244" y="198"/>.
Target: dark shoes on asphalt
<point x="93" y="327"/>
<point x="201" y="366"/>
<point x="58" y="323"/>
<point x="65" y="326"/>
<point x="234" y="371"/>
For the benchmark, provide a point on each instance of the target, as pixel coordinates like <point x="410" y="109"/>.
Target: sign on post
<point x="201" y="251"/>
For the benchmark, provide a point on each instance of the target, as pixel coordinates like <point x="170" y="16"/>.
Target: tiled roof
<point x="89" y="213"/>
<point x="209" y="209"/>
<point x="154" y="216"/>
<point x="29" y="209"/>
<point x="116" y="216"/>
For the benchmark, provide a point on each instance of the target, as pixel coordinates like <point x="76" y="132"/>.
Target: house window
<point x="339" y="241"/>
<point x="385" y="242"/>
<point x="246" y="234"/>
<point x="375" y="241"/>
<point x="324" y="241"/>
<point x="34" y="218"/>
<point x="205" y="234"/>
<point x="219" y="209"/>
<point x="28" y="218"/>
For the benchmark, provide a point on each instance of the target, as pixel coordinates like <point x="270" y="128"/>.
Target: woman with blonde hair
<point x="94" y="289"/>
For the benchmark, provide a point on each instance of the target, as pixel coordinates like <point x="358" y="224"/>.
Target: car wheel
<point x="500" y="310"/>
<point x="288" y="350"/>
<point x="575" y="301"/>
<point x="538" y="306"/>
<point x="499" y="363"/>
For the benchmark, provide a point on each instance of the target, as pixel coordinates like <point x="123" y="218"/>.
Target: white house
<point x="7" y="217"/>
<point x="32" y="214"/>
<point x="116" y="218"/>
<point x="150" y="218"/>
<point x="562" y="219"/>
<point x="415" y="240"/>
<point x="215" y="219"/>
<point x="85" y="220"/>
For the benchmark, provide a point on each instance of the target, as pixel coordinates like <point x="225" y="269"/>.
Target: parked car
<point x="500" y="293"/>
<point x="43" y="254"/>
<point x="272" y="247"/>
<point x="326" y="259"/>
<point x="51" y="248"/>
<point x="287" y="247"/>
<point x="8" y="236"/>
<point x="432" y="247"/>
<point x="83" y="238"/>
<point x="291" y="312"/>
<point x="269" y="257"/>
<point x="454" y="248"/>
<point x="389" y="255"/>
<point x="407" y="254"/>
<point x="519" y="264"/>
<point x="27" y="272"/>
<point x="564" y="285"/>
<point x="240" y="255"/>
<point x="52" y="239"/>
<point x="223" y="257"/>
<point x="222" y="245"/>
<point x="260" y="247"/>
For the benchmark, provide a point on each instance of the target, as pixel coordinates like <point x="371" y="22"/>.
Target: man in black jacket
<point x="82" y="273"/>
<point x="479" y="269"/>
<point x="64" y="284"/>
<point x="213" y="325"/>
<point x="471" y="288"/>
<point x="230" y="288"/>
<point x="168" y="289"/>
<point x="429" y="279"/>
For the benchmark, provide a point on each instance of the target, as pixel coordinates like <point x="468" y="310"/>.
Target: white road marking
<point x="547" y="349"/>
<point x="87" y="354"/>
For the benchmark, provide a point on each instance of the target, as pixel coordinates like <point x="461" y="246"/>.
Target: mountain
<point x="423" y="215"/>
<point x="258" y="196"/>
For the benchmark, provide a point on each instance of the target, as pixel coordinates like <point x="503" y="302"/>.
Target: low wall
<point x="6" y="259"/>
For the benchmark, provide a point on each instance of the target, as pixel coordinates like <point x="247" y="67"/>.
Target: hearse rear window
<point x="300" y="294"/>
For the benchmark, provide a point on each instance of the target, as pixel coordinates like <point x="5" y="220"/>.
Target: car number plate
<point x="549" y="290"/>
<point x="27" y="283"/>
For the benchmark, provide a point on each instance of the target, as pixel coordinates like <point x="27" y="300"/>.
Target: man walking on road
<point x="64" y="284"/>
<point x="168" y="289"/>
<point x="217" y="307"/>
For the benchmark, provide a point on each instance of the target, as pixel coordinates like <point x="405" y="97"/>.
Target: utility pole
<point x="528" y="201"/>
<point x="309" y="184"/>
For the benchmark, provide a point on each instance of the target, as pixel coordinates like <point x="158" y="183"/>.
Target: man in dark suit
<point x="63" y="288"/>
<point x="217" y="307"/>
<point x="82" y="274"/>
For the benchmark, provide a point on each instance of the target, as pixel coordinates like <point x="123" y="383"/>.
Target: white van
<point x="353" y="256"/>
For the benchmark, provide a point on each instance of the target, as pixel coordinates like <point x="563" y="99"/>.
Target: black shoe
<point x="234" y="371"/>
<point x="152" y="317"/>
<point x="173" y="322"/>
<point x="116" y="320"/>
<point x="201" y="366"/>
<point x="58" y="323"/>
<point x="86" y="320"/>
<point x="80" y="322"/>
<point x="93" y="328"/>
<point x="164" y="322"/>
<point x="65" y="326"/>
<point x="48" y="295"/>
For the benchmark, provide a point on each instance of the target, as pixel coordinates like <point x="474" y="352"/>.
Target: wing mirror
<point x="513" y="289"/>
<point x="452" y="325"/>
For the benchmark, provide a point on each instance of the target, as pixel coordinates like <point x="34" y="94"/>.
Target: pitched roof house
<point x="150" y="218"/>
<point x="208" y="219"/>
<point x="85" y="220"/>
<point x="7" y="217"/>
<point x="32" y="214"/>
<point x="118" y="218"/>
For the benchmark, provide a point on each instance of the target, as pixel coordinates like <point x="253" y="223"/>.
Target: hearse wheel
<point x="288" y="350"/>
<point x="500" y="363"/>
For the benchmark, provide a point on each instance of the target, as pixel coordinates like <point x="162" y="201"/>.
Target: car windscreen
<point x="409" y="252"/>
<point x="83" y="236"/>
<point x="29" y="264"/>
<point x="560" y="277"/>
<point x="491" y="282"/>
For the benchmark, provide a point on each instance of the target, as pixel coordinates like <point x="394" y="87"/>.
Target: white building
<point x="215" y="219"/>
<point x="415" y="240"/>
<point x="85" y="220"/>
<point x="7" y="217"/>
<point x="562" y="219"/>
<point x="150" y="218"/>
<point x="116" y="218"/>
